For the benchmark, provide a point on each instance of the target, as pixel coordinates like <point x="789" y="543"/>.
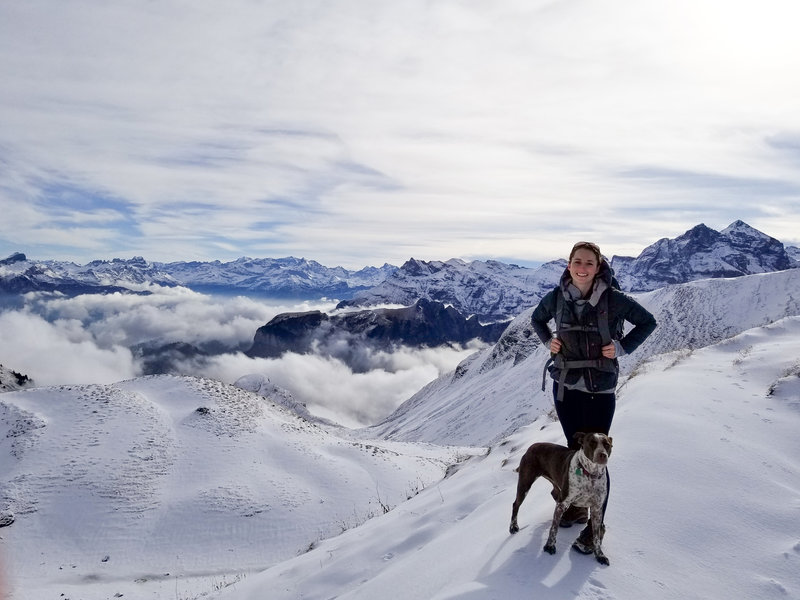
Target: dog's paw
<point x="514" y="528"/>
<point x="550" y="548"/>
<point x="601" y="558"/>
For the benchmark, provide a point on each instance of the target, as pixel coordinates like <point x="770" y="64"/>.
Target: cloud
<point x="164" y="315"/>
<point x="86" y="339"/>
<point x="361" y="132"/>
<point x="60" y="352"/>
<point x="330" y="389"/>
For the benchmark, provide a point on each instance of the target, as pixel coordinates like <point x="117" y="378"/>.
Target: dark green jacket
<point x="586" y="344"/>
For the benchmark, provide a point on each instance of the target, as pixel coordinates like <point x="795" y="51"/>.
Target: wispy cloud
<point x="361" y="132"/>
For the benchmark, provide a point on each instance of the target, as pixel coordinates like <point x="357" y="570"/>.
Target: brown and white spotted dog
<point x="578" y="477"/>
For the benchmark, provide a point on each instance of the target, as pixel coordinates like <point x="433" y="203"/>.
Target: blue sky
<point x="359" y="132"/>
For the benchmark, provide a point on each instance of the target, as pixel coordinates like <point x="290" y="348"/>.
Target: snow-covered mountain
<point x="489" y="289"/>
<point x="702" y="253"/>
<point x="173" y="487"/>
<point x="494" y="290"/>
<point x="18" y="275"/>
<point x="282" y="277"/>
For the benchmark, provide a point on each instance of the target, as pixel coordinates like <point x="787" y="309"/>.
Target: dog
<point x="578" y="477"/>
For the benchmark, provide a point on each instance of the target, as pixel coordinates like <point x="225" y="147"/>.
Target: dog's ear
<point x="610" y="441"/>
<point x="578" y="437"/>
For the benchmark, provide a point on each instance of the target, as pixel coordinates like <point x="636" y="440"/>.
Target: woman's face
<point x="583" y="267"/>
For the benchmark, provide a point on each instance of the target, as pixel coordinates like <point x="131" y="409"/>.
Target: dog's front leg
<point x="550" y="546"/>
<point x="597" y="535"/>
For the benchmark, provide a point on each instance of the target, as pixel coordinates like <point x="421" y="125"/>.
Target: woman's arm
<point x="541" y="317"/>
<point x="644" y="324"/>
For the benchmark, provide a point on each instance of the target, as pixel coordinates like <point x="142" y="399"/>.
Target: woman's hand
<point x="609" y="350"/>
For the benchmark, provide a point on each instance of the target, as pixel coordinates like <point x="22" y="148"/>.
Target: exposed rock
<point x="351" y="336"/>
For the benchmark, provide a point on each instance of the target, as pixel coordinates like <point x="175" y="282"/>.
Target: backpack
<point x="602" y="363"/>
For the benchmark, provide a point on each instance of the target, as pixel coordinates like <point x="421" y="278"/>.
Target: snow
<point x="705" y="501"/>
<point x="175" y="477"/>
<point x="128" y="490"/>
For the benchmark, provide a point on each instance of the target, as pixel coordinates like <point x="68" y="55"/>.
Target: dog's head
<point x="596" y="446"/>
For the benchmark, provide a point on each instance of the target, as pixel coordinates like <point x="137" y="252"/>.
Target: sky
<point x="360" y="132"/>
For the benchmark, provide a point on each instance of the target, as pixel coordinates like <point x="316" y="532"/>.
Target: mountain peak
<point x="702" y="253"/>
<point x="14" y="258"/>
<point x="740" y="228"/>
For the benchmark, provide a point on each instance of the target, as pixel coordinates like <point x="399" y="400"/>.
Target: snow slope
<point x="501" y="385"/>
<point x="174" y="477"/>
<point x="705" y="501"/>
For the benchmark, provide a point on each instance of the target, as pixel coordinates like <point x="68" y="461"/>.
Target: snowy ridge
<point x="490" y="289"/>
<point x="498" y="390"/>
<point x="182" y="476"/>
<point x="496" y="291"/>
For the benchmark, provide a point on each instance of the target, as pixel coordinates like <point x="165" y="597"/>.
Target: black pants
<point x="584" y="411"/>
<point x="587" y="412"/>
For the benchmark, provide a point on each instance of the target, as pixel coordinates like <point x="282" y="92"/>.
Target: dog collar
<point x="582" y="471"/>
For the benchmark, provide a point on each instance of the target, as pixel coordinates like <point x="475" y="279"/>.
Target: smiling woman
<point x="589" y="314"/>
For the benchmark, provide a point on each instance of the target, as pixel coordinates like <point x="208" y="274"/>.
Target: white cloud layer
<point x="86" y="339"/>
<point x="360" y="132"/>
<point x="330" y="389"/>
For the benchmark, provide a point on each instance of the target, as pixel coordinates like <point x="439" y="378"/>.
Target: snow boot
<point x="585" y="542"/>
<point x="574" y="514"/>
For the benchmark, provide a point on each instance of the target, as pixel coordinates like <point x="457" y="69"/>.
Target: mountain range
<point x="295" y="278"/>
<point x="182" y="487"/>
<point x="491" y="290"/>
<point x="448" y="302"/>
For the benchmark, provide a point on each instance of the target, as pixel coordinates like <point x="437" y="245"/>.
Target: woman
<point x="589" y="314"/>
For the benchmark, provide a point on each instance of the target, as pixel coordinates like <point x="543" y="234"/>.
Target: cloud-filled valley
<point x="92" y="338"/>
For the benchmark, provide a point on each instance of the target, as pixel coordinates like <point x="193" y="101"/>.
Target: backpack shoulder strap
<point x="559" y="309"/>
<point x="602" y="318"/>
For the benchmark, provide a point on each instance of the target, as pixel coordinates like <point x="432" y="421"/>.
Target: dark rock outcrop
<point x="352" y="336"/>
